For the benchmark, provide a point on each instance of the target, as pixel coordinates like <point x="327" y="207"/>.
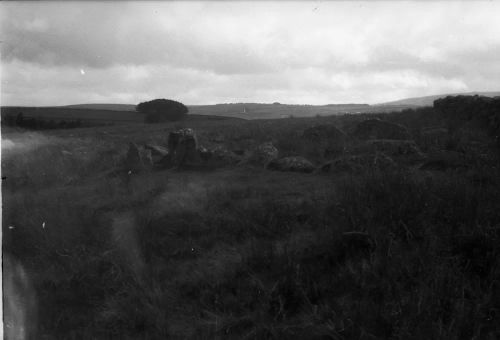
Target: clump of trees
<point x="162" y="110"/>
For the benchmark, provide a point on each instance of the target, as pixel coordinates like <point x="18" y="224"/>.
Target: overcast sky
<point x="317" y="52"/>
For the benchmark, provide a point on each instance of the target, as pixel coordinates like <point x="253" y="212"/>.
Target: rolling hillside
<point x="429" y="100"/>
<point x="125" y="113"/>
<point x="239" y="110"/>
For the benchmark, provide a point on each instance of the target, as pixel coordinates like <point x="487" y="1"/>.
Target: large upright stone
<point x="183" y="148"/>
<point x="133" y="159"/>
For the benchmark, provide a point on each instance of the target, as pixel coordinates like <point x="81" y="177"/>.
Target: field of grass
<point x="244" y="252"/>
<point x="121" y="113"/>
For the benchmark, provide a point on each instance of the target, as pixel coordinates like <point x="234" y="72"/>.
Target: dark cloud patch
<point x="100" y="36"/>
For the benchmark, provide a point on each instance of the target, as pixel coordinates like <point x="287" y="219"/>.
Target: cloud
<point x="305" y="52"/>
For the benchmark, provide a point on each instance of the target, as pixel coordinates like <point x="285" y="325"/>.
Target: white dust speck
<point x="11" y="227"/>
<point x="82" y="72"/>
<point x="43" y="225"/>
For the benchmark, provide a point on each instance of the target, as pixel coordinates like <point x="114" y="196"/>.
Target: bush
<point x="162" y="110"/>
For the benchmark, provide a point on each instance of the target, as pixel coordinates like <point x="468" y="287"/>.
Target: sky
<point x="314" y="52"/>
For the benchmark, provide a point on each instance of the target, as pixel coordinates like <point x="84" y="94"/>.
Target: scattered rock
<point x="380" y="129"/>
<point x="262" y="155"/>
<point x="296" y="164"/>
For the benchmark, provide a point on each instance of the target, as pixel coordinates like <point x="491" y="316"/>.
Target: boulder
<point x="296" y="164"/>
<point x="182" y="149"/>
<point x="157" y="151"/>
<point x="262" y="154"/>
<point x="380" y="129"/>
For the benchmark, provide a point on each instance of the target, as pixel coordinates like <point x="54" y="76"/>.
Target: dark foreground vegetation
<point x="394" y="236"/>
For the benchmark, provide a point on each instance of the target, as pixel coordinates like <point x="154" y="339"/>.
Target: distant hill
<point x="250" y="110"/>
<point x="127" y="113"/>
<point x="429" y="100"/>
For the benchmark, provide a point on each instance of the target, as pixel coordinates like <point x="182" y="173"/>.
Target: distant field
<point x="271" y="111"/>
<point x="125" y="113"/>
<point x="92" y="115"/>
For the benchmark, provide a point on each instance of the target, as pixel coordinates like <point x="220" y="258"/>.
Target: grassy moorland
<point x="245" y="252"/>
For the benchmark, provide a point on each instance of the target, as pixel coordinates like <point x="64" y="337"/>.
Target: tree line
<point x="38" y="123"/>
